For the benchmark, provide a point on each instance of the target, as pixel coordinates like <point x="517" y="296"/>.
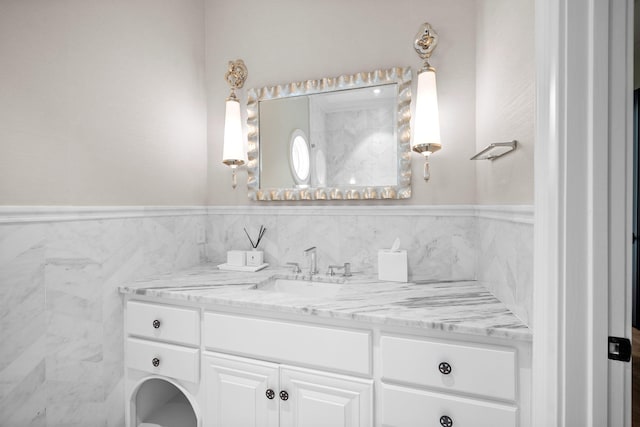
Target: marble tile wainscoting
<point x="504" y="256"/>
<point x="61" y="327"/>
<point x="61" y="314"/>
<point x="493" y="244"/>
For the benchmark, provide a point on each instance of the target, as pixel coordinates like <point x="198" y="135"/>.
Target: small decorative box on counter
<point x="255" y="257"/>
<point x="236" y="258"/>
<point x="392" y="265"/>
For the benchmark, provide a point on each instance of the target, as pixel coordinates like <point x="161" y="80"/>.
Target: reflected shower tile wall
<point x="372" y="146"/>
<point x="505" y="264"/>
<point x="61" y="362"/>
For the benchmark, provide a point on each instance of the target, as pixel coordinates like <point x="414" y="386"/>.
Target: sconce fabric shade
<point x="426" y="132"/>
<point x="233" y="152"/>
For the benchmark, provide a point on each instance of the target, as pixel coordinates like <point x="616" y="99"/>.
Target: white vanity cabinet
<point x="163" y="340"/>
<point x="250" y="393"/>
<point x="283" y="394"/>
<point x="162" y="361"/>
<point x="447" y="383"/>
<point x="248" y="369"/>
<point x="241" y="392"/>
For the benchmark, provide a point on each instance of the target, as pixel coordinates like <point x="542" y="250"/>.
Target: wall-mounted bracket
<point x="496" y="150"/>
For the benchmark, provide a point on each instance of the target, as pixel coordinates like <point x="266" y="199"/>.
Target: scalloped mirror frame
<point x="398" y="75"/>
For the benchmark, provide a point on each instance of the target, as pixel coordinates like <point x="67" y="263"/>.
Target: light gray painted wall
<point x="294" y="40"/>
<point x="102" y="103"/>
<point x="505" y="99"/>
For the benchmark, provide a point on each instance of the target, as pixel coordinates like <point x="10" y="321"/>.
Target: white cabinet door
<point x="236" y="394"/>
<point x="319" y="399"/>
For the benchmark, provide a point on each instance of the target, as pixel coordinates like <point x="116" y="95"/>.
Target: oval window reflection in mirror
<point x="299" y="158"/>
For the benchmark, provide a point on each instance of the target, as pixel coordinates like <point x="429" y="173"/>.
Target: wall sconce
<point x="233" y="152"/>
<point x="426" y="130"/>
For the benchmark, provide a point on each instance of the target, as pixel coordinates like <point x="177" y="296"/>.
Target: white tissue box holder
<point x="236" y="258"/>
<point x="392" y="265"/>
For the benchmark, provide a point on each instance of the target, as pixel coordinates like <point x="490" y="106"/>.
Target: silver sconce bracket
<point x="236" y="75"/>
<point x="425" y="42"/>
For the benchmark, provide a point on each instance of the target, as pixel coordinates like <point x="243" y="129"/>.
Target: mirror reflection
<point x="340" y="138"/>
<point x="300" y="158"/>
<point x="352" y="139"/>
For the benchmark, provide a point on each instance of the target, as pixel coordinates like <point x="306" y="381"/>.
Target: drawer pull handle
<point x="444" y="368"/>
<point x="155" y="362"/>
<point x="446" y="421"/>
<point x="284" y="395"/>
<point x="156" y="324"/>
<point x="270" y="394"/>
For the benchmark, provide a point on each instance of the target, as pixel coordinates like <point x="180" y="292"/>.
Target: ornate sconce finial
<point x="425" y="42"/>
<point x="236" y="75"/>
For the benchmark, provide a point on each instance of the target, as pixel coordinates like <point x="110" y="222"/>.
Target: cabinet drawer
<point x="163" y="322"/>
<point x="403" y="407"/>
<point x="172" y="360"/>
<point x="332" y="348"/>
<point x="486" y="371"/>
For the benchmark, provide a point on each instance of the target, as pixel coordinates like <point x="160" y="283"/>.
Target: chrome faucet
<point x="313" y="260"/>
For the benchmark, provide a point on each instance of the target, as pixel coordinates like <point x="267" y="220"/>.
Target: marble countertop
<point x="455" y="306"/>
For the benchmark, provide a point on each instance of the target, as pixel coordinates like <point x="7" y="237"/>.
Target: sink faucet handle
<point x="331" y="269"/>
<point x="346" y="267"/>
<point x="296" y="267"/>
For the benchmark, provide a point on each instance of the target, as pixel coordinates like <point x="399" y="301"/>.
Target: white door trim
<point x="576" y="206"/>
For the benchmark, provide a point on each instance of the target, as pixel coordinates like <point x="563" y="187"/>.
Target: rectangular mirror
<point x="334" y="138"/>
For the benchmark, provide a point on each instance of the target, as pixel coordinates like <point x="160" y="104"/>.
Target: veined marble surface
<point x="460" y="306"/>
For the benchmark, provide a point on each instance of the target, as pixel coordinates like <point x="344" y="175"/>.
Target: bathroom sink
<point x="303" y="288"/>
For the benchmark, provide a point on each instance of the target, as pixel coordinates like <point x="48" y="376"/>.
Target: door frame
<point x="582" y="232"/>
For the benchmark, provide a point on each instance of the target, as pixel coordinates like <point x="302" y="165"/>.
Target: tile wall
<point x="61" y="315"/>
<point x="61" y="325"/>
<point x="438" y="247"/>
<point x="504" y="257"/>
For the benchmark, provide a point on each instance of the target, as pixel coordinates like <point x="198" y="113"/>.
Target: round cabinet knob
<point x="284" y="395"/>
<point x="156" y="324"/>
<point x="446" y="421"/>
<point x="270" y="394"/>
<point x="444" y="368"/>
<point x="155" y="362"/>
